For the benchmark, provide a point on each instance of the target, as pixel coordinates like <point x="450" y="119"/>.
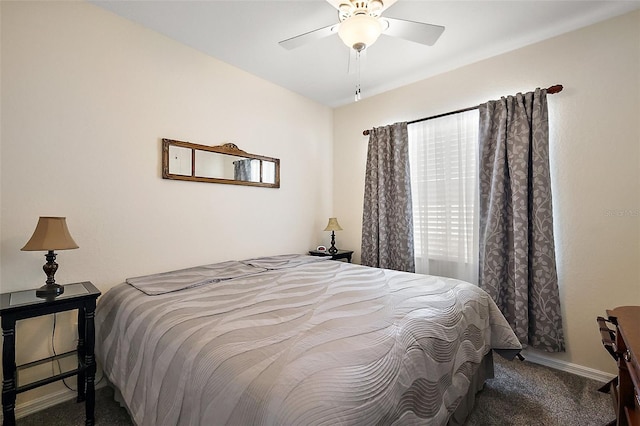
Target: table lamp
<point x="51" y="234"/>
<point x="333" y="226"/>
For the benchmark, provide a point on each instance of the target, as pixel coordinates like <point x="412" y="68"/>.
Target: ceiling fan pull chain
<point x="357" y="98"/>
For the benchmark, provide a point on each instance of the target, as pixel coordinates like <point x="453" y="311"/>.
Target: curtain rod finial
<point x="555" y="89"/>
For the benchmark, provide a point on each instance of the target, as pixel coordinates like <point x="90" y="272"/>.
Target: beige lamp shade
<point x="51" y="234"/>
<point x="333" y="225"/>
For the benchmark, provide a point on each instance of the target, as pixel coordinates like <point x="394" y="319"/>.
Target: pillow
<point x="283" y="261"/>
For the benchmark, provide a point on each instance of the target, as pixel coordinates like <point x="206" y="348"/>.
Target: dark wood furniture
<point x="21" y="305"/>
<point x="623" y="344"/>
<point x="341" y="254"/>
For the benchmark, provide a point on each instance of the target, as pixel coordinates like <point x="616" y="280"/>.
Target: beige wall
<point x="595" y="152"/>
<point x="86" y="97"/>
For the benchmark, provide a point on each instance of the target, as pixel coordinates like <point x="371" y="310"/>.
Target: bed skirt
<point x="485" y="371"/>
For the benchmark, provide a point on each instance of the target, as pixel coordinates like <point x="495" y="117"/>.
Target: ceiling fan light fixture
<point x="360" y="31"/>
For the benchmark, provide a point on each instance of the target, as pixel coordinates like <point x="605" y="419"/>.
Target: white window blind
<point x="443" y="154"/>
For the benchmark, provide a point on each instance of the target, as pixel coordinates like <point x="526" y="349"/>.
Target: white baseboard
<point x="568" y="367"/>
<point x="39" y="404"/>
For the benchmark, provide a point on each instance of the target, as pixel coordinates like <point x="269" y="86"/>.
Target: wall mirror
<point x="218" y="164"/>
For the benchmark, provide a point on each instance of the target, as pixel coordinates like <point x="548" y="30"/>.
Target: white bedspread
<point x="319" y="342"/>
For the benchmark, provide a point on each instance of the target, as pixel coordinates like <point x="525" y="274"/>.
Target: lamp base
<point x="333" y="249"/>
<point x="50" y="291"/>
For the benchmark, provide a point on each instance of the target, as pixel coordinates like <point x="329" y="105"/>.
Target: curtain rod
<point x="551" y="90"/>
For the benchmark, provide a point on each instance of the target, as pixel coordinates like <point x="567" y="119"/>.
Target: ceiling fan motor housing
<point x="360" y="7"/>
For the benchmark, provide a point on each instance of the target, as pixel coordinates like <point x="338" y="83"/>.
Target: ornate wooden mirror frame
<point x="218" y="164"/>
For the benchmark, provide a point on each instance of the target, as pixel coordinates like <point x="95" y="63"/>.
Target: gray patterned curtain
<point x="517" y="254"/>
<point x="242" y="170"/>
<point x="387" y="220"/>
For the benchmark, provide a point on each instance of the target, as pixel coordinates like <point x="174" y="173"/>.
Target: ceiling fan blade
<point x="414" y="31"/>
<point x="302" y="39"/>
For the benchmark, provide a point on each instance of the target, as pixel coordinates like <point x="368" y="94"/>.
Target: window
<point x="443" y="155"/>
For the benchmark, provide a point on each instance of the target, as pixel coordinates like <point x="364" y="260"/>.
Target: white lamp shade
<point x="358" y="29"/>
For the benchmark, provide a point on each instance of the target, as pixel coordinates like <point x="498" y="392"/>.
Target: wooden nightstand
<point x="21" y="305"/>
<point x="341" y="254"/>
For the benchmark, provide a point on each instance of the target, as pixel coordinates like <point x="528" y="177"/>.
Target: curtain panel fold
<point x="387" y="220"/>
<point x="517" y="253"/>
<point x="242" y="170"/>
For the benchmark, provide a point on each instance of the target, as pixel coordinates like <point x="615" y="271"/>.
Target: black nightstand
<point x="341" y="254"/>
<point x="21" y="305"/>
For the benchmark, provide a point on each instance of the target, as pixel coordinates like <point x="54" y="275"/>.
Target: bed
<point x="298" y="340"/>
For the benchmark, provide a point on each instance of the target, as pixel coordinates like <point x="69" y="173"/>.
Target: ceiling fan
<point x="361" y="24"/>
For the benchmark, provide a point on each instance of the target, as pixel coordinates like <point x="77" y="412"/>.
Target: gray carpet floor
<point x="527" y="394"/>
<point x="521" y="394"/>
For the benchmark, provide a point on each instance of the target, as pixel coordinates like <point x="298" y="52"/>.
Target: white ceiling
<point x="246" y="34"/>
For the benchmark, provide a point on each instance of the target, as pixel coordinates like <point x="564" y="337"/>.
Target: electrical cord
<point x="53" y="348"/>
